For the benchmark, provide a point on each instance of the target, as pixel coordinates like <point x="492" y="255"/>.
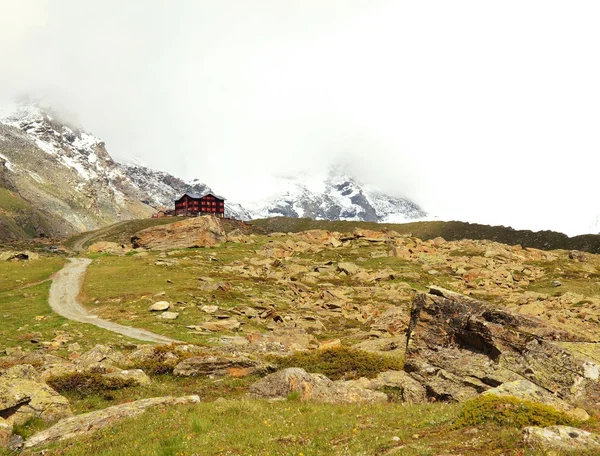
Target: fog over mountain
<point x="475" y="111"/>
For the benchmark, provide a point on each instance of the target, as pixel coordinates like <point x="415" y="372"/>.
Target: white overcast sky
<point x="477" y="110"/>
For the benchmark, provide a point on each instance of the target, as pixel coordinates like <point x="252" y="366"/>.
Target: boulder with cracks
<point x="458" y="347"/>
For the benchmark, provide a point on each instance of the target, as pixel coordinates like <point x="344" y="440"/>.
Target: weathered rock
<point x="398" y="383"/>
<point x="108" y="247"/>
<point x="21" y="371"/>
<point x="459" y="347"/>
<point x="169" y="315"/>
<point x="292" y="339"/>
<point x="137" y="375"/>
<point x="218" y="366"/>
<point x="159" y="306"/>
<point x="311" y="387"/>
<point x="222" y="325"/>
<point x="209" y="309"/>
<point x="22" y="399"/>
<point x="148" y="354"/>
<point x="101" y="358"/>
<point x="348" y="268"/>
<point x="203" y="231"/>
<point x="93" y="421"/>
<point x="387" y="346"/>
<point x="561" y="438"/>
<point x="23" y="255"/>
<point x="524" y="389"/>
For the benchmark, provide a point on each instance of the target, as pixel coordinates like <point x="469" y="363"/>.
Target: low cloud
<point x="476" y="111"/>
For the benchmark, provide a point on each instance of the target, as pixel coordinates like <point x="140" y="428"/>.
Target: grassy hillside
<point x="19" y="219"/>
<point x="307" y="296"/>
<point x="451" y="231"/>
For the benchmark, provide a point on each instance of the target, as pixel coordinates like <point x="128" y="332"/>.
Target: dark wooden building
<point x="206" y="204"/>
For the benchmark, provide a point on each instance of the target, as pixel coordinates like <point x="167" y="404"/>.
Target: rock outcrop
<point x="281" y="384"/>
<point x="218" y="366"/>
<point x="203" y="231"/>
<point x="23" y="399"/>
<point x="561" y="438"/>
<point x="459" y="347"/>
<point x="91" y="422"/>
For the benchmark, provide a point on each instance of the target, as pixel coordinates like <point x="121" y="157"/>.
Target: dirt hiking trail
<point x="66" y="285"/>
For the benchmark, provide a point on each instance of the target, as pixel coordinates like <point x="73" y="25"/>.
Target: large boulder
<point x="203" y="231"/>
<point x="24" y="255"/>
<point x="526" y="390"/>
<point x="108" y="247"/>
<point x="22" y="399"/>
<point x="101" y="358"/>
<point x="91" y="422"/>
<point x="136" y="376"/>
<point x="561" y="438"/>
<point x="399" y="385"/>
<point x="281" y="384"/>
<point x="459" y="347"/>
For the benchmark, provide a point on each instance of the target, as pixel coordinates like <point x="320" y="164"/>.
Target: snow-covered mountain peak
<point x="73" y="146"/>
<point x="336" y="196"/>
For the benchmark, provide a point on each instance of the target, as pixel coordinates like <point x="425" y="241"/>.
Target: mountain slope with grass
<point x="63" y="176"/>
<point x="317" y="320"/>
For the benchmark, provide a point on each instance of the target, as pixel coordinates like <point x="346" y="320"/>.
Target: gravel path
<point x="66" y="285"/>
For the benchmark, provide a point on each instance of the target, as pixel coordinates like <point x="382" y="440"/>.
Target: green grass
<point x="291" y="428"/>
<point x="126" y="301"/>
<point x="162" y="385"/>
<point x="25" y="310"/>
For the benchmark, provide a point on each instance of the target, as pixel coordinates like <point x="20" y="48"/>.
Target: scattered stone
<point x="209" y="309"/>
<point x="147" y="353"/>
<point x="101" y="358"/>
<point x="561" y="438"/>
<point x="169" y="315"/>
<point x="93" y="421"/>
<point x="348" y="268"/>
<point x="221" y="325"/>
<point x="137" y="375"/>
<point x="159" y="306"/>
<point x="556" y="283"/>
<point x="311" y="387"/>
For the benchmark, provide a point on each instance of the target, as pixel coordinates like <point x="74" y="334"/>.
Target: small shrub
<point x="509" y="411"/>
<point x="88" y="383"/>
<point x="294" y="396"/>
<point x="30" y="427"/>
<point x="340" y="363"/>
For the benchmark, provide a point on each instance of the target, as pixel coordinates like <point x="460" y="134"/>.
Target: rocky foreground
<point x="447" y="321"/>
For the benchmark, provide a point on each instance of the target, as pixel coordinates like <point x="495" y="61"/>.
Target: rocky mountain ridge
<point x="63" y="181"/>
<point x="339" y="196"/>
